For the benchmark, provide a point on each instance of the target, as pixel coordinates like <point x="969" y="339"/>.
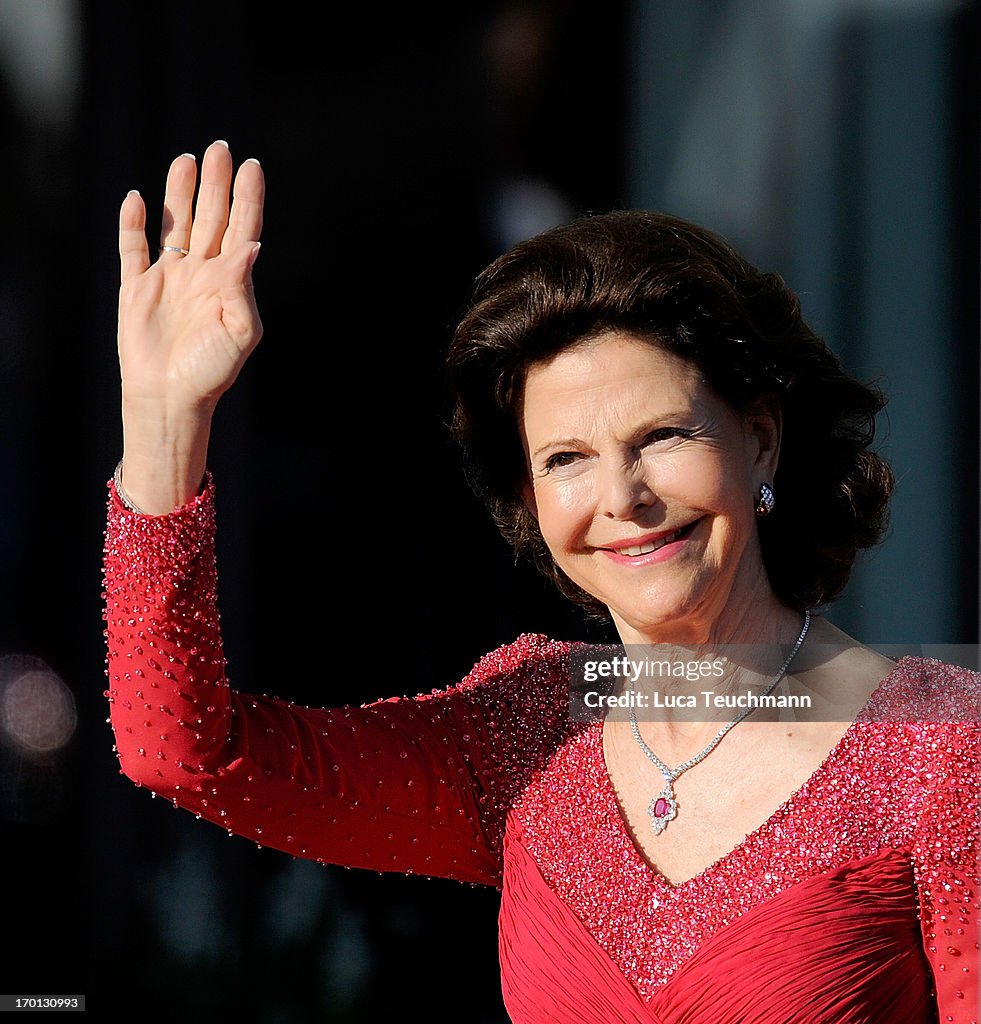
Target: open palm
<point x="188" y="320"/>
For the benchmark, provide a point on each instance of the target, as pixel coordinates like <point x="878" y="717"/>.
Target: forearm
<point x="165" y="661"/>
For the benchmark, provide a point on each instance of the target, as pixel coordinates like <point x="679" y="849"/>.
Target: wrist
<point x="158" y="488"/>
<point x="165" y="415"/>
<point x="165" y="455"/>
<point x="128" y="503"/>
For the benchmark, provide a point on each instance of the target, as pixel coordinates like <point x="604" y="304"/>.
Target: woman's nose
<point x="625" y="490"/>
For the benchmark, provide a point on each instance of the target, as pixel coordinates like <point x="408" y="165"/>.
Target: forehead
<point x="614" y="372"/>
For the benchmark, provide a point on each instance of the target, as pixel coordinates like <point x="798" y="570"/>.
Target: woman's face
<point x="644" y="484"/>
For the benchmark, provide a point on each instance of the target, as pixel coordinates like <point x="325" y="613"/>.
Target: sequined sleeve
<point x="945" y="854"/>
<point x="410" y="784"/>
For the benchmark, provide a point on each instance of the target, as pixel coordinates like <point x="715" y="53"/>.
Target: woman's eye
<point x="560" y="459"/>
<point x="666" y="434"/>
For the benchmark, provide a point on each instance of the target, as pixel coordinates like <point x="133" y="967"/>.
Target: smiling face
<point x="644" y="484"/>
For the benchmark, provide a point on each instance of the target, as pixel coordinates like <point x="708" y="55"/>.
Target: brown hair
<point x="686" y="290"/>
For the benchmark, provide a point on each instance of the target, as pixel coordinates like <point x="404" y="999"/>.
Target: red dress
<point x="857" y="901"/>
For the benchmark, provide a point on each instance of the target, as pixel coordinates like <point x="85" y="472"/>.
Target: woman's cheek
<point x="564" y="507"/>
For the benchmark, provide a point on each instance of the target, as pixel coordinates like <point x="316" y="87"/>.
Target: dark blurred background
<point x="832" y="141"/>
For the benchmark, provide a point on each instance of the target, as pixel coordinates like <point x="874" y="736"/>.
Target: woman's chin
<point x="652" y="626"/>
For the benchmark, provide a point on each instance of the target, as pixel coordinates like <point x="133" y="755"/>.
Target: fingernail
<point x="191" y="155"/>
<point x="254" y="255"/>
<point x="221" y="142"/>
<point x="133" y="192"/>
<point x="252" y="160"/>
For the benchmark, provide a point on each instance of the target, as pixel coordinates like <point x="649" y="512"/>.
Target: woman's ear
<point x="765" y="426"/>
<point x="527" y="492"/>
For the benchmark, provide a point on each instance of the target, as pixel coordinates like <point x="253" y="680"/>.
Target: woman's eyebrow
<point x="649" y="426"/>
<point x="565" y="442"/>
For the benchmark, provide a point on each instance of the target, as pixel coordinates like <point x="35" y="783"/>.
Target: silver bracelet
<point x="117" y="481"/>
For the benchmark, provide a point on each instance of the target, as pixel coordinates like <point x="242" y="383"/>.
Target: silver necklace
<point x="664" y="807"/>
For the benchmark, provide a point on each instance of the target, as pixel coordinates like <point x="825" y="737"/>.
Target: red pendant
<point x="662" y="809"/>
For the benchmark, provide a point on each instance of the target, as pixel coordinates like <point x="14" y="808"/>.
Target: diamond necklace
<point x="664" y="807"/>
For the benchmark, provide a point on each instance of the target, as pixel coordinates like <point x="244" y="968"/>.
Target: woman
<point x="649" y="419"/>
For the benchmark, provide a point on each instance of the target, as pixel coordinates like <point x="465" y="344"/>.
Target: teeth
<point x="646" y="549"/>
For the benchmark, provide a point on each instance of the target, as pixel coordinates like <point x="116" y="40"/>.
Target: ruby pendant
<point x="662" y="809"/>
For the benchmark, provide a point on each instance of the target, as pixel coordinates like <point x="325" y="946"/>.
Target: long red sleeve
<point x="407" y="784"/>
<point x="945" y="854"/>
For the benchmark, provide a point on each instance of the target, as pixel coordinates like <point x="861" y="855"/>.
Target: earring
<point x="765" y="505"/>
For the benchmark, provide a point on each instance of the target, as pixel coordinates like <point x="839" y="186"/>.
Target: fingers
<point x="134" y="257"/>
<point x="245" y="220"/>
<point x="208" y="226"/>
<point x="211" y="212"/>
<point x="175" y="227"/>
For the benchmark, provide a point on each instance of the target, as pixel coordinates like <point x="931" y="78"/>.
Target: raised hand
<point x="187" y="320"/>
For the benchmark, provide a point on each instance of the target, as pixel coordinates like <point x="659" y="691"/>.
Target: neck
<point x="745" y="626"/>
<point x="678" y="682"/>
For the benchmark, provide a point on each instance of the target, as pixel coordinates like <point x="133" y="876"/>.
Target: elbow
<point x="140" y="767"/>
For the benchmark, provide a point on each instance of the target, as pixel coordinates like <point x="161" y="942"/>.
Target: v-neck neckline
<point x="786" y="808"/>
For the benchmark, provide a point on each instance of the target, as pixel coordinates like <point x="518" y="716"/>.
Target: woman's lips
<point x="653" y="548"/>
